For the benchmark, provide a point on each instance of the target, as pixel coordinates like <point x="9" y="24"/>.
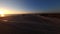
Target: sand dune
<point x="29" y="24"/>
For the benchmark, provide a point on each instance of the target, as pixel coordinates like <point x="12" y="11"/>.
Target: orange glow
<point x="2" y="15"/>
<point x="7" y="11"/>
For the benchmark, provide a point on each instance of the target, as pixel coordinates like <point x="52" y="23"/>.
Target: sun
<point x="2" y="13"/>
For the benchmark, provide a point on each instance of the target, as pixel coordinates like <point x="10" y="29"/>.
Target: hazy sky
<point x="31" y="5"/>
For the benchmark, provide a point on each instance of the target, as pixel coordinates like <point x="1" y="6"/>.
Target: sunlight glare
<point x="2" y="13"/>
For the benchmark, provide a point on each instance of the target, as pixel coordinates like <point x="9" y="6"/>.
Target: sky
<point x="34" y="6"/>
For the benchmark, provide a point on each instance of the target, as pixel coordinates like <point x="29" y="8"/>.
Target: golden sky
<point x="7" y="11"/>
